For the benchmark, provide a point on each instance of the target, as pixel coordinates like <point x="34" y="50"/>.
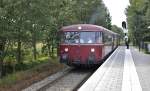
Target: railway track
<point x="69" y="81"/>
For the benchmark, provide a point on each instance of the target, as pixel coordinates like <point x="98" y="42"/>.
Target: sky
<point x="117" y="10"/>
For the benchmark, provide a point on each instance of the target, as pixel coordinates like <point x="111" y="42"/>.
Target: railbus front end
<point x="85" y="44"/>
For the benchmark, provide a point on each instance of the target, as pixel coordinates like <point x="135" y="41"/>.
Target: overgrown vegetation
<point x="19" y="80"/>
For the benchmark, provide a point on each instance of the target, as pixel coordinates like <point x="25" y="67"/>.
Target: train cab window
<point x="82" y="37"/>
<point x="87" y="37"/>
<point x="71" y="37"/>
<point x="90" y="37"/>
<point x="98" y="37"/>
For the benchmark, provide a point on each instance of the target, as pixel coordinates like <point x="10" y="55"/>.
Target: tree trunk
<point x="2" y="48"/>
<point x="52" y="48"/>
<point x="19" y="51"/>
<point x="49" y="48"/>
<point x="53" y="41"/>
<point x="1" y="66"/>
<point x="34" y="46"/>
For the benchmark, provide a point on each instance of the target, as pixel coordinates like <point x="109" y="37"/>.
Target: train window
<point x="82" y="37"/>
<point x="108" y="38"/>
<point x="90" y="37"/>
<point x="98" y="37"/>
<point x="87" y="37"/>
<point x="71" y="37"/>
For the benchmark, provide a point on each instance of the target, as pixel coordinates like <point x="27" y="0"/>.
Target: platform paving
<point x="142" y="63"/>
<point x="130" y="81"/>
<point x="109" y="76"/>
<point x="124" y="70"/>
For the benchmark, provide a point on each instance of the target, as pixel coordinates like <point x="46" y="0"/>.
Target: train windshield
<point x="82" y="37"/>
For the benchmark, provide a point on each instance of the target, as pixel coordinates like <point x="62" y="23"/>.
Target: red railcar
<point x="85" y="44"/>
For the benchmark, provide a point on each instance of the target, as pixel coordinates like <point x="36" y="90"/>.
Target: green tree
<point x="138" y="20"/>
<point x="117" y="30"/>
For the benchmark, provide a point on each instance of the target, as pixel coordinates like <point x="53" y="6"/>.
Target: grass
<point x="33" y="72"/>
<point x="30" y="71"/>
<point x="8" y="80"/>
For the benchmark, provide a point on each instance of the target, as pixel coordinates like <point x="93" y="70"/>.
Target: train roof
<point x="86" y="27"/>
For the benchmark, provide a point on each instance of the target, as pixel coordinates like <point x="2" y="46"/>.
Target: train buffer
<point x="124" y="70"/>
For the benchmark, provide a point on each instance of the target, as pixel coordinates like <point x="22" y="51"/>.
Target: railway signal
<point x="124" y="25"/>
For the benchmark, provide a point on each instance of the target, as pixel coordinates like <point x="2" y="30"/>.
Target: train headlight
<point x="92" y="50"/>
<point x="79" y="27"/>
<point x="66" y="49"/>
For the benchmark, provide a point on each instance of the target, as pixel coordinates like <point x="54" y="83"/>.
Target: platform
<point x="124" y="70"/>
